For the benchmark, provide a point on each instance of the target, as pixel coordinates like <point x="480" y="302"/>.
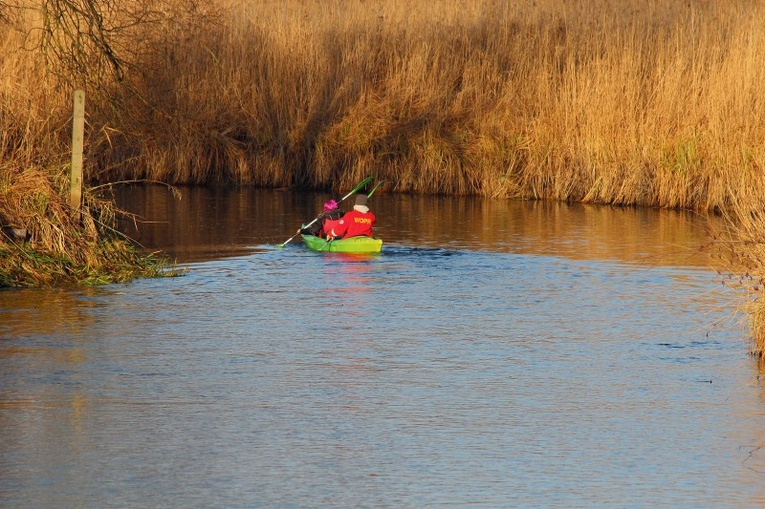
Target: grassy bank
<point x="44" y="244"/>
<point x="42" y="241"/>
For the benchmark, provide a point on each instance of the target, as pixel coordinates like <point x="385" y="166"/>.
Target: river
<point x="495" y="354"/>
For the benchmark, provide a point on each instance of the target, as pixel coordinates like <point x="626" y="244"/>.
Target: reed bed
<point x="630" y="102"/>
<point x="606" y="102"/>
<point x="739" y="247"/>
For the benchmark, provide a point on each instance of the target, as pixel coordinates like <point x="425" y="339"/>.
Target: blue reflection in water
<point x="418" y="377"/>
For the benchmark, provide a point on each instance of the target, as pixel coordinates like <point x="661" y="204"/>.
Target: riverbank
<point x="43" y="243"/>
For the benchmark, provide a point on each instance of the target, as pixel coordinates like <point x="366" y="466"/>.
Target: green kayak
<point x="360" y="244"/>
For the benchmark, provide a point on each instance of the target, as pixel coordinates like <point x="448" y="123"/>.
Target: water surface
<point x="495" y="354"/>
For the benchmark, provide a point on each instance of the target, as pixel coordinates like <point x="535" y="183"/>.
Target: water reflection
<point x="495" y="354"/>
<point x="209" y="223"/>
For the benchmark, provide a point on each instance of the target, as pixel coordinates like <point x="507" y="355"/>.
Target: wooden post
<point x="78" y="130"/>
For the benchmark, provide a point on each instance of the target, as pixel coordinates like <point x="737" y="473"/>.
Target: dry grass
<point x="741" y="248"/>
<point x="611" y="102"/>
<point x="62" y="247"/>
<point x="624" y="102"/>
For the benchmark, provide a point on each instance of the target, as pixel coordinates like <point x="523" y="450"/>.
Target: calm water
<point x="496" y="354"/>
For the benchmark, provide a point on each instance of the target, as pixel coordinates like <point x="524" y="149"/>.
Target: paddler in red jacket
<point x="331" y="212"/>
<point x="355" y="222"/>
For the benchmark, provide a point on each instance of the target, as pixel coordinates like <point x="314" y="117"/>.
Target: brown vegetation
<point x="610" y="103"/>
<point x="44" y="242"/>
<point x="740" y="246"/>
<point x="607" y="102"/>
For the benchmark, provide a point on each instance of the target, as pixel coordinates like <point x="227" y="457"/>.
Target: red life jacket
<point x="352" y="224"/>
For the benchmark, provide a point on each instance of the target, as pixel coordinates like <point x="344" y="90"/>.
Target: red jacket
<point x="352" y="224"/>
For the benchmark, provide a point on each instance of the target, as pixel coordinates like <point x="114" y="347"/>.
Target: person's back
<point x="330" y="213"/>
<point x="358" y="221"/>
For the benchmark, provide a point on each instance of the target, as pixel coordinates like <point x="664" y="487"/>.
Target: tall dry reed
<point x="739" y="247"/>
<point x="631" y="102"/>
<point x="608" y="102"/>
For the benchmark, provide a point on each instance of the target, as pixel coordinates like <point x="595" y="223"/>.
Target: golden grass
<point x="740" y="247"/>
<point x="657" y="106"/>
<point x="62" y="247"/>
<point x="630" y="102"/>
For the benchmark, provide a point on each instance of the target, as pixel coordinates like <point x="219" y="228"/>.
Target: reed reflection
<point x="41" y="312"/>
<point x="211" y="223"/>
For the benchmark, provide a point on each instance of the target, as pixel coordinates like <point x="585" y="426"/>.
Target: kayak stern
<point x="360" y="244"/>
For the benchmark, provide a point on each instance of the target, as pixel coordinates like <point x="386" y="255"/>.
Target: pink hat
<point x="330" y="205"/>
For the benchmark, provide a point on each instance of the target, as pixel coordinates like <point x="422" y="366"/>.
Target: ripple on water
<point x="423" y="376"/>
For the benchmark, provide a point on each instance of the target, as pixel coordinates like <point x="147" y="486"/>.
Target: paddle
<point x="375" y="188"/>
<point x="355" y="189"/>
